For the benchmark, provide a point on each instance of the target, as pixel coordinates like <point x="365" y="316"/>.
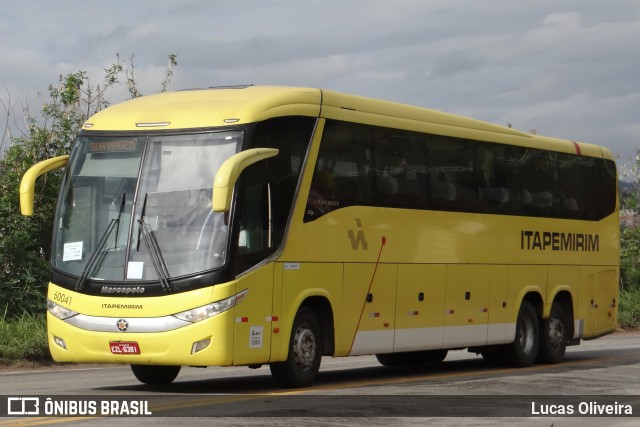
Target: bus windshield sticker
<point x="134" y="270"/>
<point x="72" y="251"/>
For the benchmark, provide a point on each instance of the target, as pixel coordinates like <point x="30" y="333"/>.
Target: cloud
<point x="564" y="67"/>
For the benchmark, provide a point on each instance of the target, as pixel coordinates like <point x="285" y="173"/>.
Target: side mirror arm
<point x="27" y="185"/>
<point x="228" y="174"/>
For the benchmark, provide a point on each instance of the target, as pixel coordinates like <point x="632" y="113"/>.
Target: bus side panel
<point x="299" y="282"/>
<point x="466" y="305"/>
<point x="524" y="279"/>
<point x="368" y="317"/>
<point x="597" y="302"/>
<point x="278" y="346"/>
<point x="419" y="302"/>
<point x="253" y="317"/>
<point x="562" y="278"/>
<point x="499" y="330"/>
<point x="605" y="297"/>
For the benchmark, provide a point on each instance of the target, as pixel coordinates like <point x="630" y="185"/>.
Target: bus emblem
<point x="122" y="325"/>
<point x="358" y="239"/>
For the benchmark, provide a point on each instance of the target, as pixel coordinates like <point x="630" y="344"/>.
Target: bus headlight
<point x="206" y="311"/>
<point x="59" y="311"/>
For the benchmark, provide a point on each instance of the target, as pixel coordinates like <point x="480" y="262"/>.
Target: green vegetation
<point x="629" y="309"/>
<point x="629" y="306"/>
<point x="23" y="338"/>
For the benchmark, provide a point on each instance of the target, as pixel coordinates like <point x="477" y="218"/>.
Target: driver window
<point x="253" y="236"/>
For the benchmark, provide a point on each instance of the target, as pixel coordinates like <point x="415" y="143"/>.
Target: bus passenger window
<point x="540" y="178"/>
<point x="341" y="176"/>
<point x="400" y="170"/>
<point x="494" y="197"/>
<point x="452" y="179"/>
<point x="322" y="191"/>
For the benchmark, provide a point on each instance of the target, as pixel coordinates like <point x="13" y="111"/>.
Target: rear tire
<point x="524" y="350"/>
<point x="553" y="336"/>
<point x="155" y="374"/>
<point x="305" y="352"/>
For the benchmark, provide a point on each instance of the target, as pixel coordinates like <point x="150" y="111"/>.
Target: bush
<point x="24" y="338"/>
<point x="25" y="242"/>
<point x="630" y="258"/>
<point x="629" y="309"/>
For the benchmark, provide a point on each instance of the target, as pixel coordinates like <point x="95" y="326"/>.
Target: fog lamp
<point x="200" y="345"/>
<point x="60" y="342"/>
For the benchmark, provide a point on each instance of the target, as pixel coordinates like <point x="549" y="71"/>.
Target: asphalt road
<point x="462" y="390"/>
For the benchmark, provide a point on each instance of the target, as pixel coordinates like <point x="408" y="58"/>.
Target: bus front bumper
<point x="205" y="343"/>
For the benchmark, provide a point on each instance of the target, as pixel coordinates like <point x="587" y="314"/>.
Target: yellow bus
<point x="270" y="225"/>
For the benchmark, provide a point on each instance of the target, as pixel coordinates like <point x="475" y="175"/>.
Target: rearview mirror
<point x="28" y="182"/>
<point x="228" y="174"/>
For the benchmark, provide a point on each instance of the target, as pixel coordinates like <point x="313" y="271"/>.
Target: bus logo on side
<point x="358" y="239"/>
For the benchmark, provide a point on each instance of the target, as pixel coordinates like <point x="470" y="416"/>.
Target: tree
<point x="25" y="242"/>
<point x="630" y="183"/>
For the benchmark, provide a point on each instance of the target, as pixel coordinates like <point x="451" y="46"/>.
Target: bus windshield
<point x="139" y="208"/>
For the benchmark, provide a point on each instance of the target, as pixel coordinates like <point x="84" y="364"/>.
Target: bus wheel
<point x="524" y="350"/>
<point x="305" y="352"/>
<point x="553" y="336"/>
<point x="155" y="374"/>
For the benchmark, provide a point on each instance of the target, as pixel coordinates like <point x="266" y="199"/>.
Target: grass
<point x="24" y="339"/>
<point x="629" y="309"/>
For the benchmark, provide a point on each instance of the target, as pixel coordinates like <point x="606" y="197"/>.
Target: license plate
<point x="124" y="347"/>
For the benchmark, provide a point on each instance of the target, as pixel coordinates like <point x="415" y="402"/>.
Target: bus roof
<point x="204" y="108"/>
<point x="224" y="106"/>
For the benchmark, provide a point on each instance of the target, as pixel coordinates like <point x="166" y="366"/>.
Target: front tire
<point x="155" y="374"/>
<point x="524" y="350"/>
<point x="305" y="352"/>
<point x="553" y="336"/>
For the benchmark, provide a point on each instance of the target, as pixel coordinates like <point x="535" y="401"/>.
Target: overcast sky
<point x="566" y="68"/>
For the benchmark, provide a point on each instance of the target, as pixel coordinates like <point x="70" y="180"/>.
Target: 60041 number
<point x="60" y="297"/>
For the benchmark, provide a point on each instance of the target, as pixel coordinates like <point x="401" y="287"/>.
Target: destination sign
<point x="115" y="146"/>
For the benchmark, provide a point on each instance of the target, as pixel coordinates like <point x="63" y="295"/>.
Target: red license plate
<point x="124" y="347"/>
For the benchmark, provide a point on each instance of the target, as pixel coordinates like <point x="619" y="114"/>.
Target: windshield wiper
<point x="154" y="250"/>
<point x="97" y="253"/>
<point x="115" y="240"/>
